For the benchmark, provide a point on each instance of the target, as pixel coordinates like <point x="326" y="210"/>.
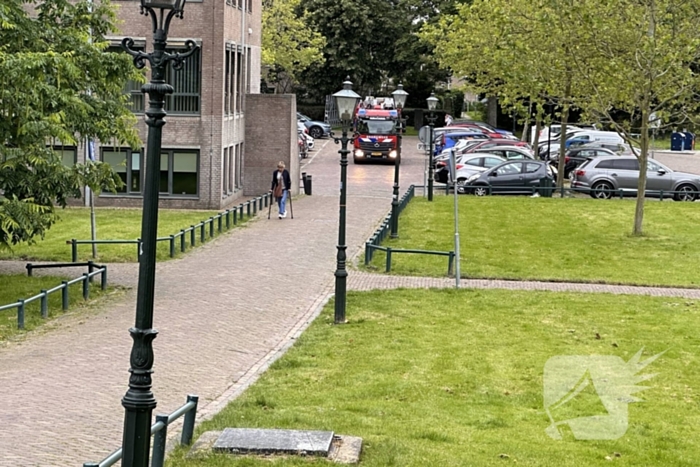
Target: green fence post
<point x="103" y="278"/>
<point x="621" y="194"/>
<point x="219" y="223"/>
<point x="91" y="267"/>
<point x="86" y="286"/>
<point x="450" y="262"/>
<point x="74" y="250"/>
<point x="388" y="259"/>
<point x="235" y="216"/>
<point x="44" y="304"/>
<point x="188" y="423"/>
<point x="367" y="247"/>
<point x="172" y="246"/>
<point x="661" y="195"/>
<point x="228" y="219"/>
<point x="182" y="240"/>
<point x="248" y="208"/>
<point x="20" y="314"/>
<point x="202" y="232"/>
<point x="211" y="227"/>
<point x="159" y="442"/>
<point x="29" y="269"/>
<point x="64" y="295"/>
<point x="240" y="214"/>
<point x="193" y="236"/>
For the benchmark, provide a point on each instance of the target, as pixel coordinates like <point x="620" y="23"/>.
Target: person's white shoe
<point x="283" y="215"/>
<point x="279" y="216"/>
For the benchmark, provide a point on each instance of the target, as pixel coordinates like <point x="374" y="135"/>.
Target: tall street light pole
<point x="346" y="101"/>
<point x="399" y="101"/>
<point x="432" y="103"/>
<point x="139" y="400"/>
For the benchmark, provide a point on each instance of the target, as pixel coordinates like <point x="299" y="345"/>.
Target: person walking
<point x="281" y="184"/>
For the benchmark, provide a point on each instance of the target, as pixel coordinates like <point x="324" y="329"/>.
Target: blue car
<point x="448" y="140"/>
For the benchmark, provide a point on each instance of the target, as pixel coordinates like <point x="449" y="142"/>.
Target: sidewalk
<point x="219" y="311"/>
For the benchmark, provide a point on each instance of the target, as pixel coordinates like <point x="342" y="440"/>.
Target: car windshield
<point x="376" y="127"/>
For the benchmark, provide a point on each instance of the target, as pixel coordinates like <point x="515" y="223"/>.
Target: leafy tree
<point x="644" y="65"/>
<point x="289" y="44"/>
<point x="57" y="83"/>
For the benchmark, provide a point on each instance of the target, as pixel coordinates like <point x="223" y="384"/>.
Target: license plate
<point x="376" y="153"/>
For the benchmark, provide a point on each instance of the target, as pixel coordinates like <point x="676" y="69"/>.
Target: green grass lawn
<point x="15" y="287"/>
<point x="455" y="378"/>
<point x="551" y="239"/>
<point x="112" y="224"/>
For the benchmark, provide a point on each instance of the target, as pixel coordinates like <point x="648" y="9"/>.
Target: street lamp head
<point x="399" y="96"/>
<point x="346" y="101"/>
<point x="176" y="5"/>
<point x="432" y="101"/>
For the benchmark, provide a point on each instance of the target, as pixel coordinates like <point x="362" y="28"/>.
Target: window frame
<point x="129" y="170"/>
<point x="170" y="152"/>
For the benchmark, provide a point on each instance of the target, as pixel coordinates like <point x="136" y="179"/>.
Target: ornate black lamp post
<point x="399" y="101"/>
<point x="346" y="101"/>
<point x="432" y="103"/>
<point x="139" y="400"/>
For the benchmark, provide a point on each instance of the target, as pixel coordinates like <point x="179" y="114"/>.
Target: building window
<point x="239" y="81"/>
<point x="230" y="168"/>
<point x="238" y="165"/>
<point x="226" y="174"/>
<point x="67" y="154"/>
<point x="132" y="88"/>
<point x="250" y="6"/>
<point x="187" y="84"/>
<point x="179" y="172"/>
<point x="127" y="164"/>
<point x="248" y="70"/>
<point x="227" y="83"/>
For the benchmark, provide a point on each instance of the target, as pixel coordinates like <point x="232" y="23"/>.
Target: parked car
<point x="588" y="136"/>
<point x="508" y="152"/>
<point x="603" y="177"/>
<point x="493" y="142"/>
<point x="511" y="177"/>
<point x="304" y="134"/>
<point x="485" y="127"/>
<point x="466" y="166"/>
<point x="316" y="129"/>
<point x="619" y="149"/>
<point x="577" y="156"/>
<point x="448" y="140"/>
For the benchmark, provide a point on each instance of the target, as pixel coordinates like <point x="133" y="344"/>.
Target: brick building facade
<point x="204" y="144"/>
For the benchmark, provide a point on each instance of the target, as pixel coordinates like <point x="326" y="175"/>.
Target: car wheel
<point x="602" y="190"/>
<point x="567" y="174"/>
<point x="685" y="193"/>
<point x="481" y="190"/>
<point x="316" y="132"/>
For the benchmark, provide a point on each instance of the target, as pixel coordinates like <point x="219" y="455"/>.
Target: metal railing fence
<point x="231" y="216"/>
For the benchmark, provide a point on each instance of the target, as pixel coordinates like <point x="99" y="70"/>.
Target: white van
<point x="589" y="136"/>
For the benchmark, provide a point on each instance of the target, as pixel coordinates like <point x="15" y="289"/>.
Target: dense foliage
<point x="58" y="86"/>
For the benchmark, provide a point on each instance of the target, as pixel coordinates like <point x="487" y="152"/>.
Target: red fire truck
<point x="376" y="135"/>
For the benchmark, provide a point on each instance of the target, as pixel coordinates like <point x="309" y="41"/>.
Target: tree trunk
<point x="492" y="111"/>
<point x="538" y="127"/>
<point x="93" y="224"/>
<point x="562" y="136"/>
<point x="642" y="182"/>
<point x="526" y="125"/>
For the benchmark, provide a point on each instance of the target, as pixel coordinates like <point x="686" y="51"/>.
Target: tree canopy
<point x="58" y="86"/>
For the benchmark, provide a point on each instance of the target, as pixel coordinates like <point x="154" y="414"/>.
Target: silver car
<point x="605" y="177"/>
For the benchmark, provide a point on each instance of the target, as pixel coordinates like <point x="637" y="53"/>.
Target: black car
<point x="577" y="156"/>
<point x="512" y="177"/>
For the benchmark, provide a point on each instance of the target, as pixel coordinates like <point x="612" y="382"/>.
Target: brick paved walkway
<point x="223" y="313"/>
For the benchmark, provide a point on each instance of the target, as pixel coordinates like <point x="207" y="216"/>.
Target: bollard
<point x="20" y="314"/>
<point x="159" y="442"/>
<point x="450" y="262"/>
<point x="29" y="269"/>
<point x="188" y="423"/>
<point x="103" y="278"/>
<point x="172" y="246"/>
<point x="86" y="286"/>
<point x="44" y="304"/>
<point x="64" y="295"/>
